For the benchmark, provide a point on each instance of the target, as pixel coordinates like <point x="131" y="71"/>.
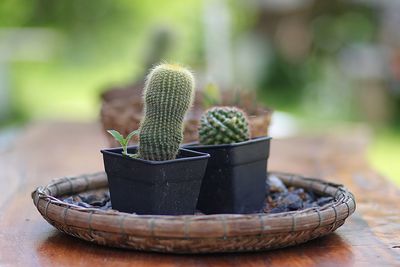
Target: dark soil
<point x="279" y="198"/>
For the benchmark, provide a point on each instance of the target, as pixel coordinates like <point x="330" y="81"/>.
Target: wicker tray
<point x="195" y="233"/>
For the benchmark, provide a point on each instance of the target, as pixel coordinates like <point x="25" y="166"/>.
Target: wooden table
<point x="49" y="150"/>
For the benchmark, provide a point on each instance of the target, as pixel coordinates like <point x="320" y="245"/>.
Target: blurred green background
<point x="318" y="62"/>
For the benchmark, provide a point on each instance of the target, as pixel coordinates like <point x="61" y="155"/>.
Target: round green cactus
<point x="223" y="125"/>
<point x="168" y="94"/>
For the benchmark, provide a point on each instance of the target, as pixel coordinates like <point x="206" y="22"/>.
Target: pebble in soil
<point x="95" y="199"/>
<point x="283" y="199"/>
<point x="280" y="198"/>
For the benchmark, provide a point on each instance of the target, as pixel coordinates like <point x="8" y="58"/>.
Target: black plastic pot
<point x="154" y="187"/>
<point x="234" y="181"/>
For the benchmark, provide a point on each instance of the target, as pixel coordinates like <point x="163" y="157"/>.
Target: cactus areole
<point x="168" y="94"/>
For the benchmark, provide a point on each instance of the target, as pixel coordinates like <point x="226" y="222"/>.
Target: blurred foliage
<point x="334" y="25"/>
<point x="211" y="95"/>
<point x="384" y="153"/>
<point x="104" y="42"/>
<point x="101" y="43"/>
<point x="92" y="27"/>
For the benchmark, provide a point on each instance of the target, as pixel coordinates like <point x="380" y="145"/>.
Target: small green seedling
<point x="124" y="141"/>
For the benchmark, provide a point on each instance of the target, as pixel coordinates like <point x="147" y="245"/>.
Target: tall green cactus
<point x="168" y="94"/>
<point x="223" y="125"/>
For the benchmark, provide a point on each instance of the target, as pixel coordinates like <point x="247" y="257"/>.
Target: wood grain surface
<point x="49" y="149"/>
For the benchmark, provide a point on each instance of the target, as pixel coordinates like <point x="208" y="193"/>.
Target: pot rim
<point x="116" y="153"/>
<point x="250" y="141"/>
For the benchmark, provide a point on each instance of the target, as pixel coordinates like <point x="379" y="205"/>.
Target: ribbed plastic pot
<point x="168" y="187"/>
<point x="234" y="181"/>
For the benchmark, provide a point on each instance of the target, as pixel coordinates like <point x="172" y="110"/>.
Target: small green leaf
<point x="128" y="138"/>
<point x="118" y="137"/>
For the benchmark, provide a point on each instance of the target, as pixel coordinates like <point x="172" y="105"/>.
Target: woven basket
<point x="194" y="233"/>
<point x="121" y="110"/>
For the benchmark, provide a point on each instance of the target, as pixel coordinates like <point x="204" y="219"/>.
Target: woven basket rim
<point x="57" y="211"/>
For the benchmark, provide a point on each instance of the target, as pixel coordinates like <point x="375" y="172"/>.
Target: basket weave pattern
<point x="192" y="233"/>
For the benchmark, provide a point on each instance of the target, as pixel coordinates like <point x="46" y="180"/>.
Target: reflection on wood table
<point x="48" y="150"/>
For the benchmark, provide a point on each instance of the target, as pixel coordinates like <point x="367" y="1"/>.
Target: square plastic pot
<point x="154" y="187"/>
<point x="235" y="178"/>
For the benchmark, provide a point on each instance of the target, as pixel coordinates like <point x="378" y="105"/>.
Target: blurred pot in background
<point x="122" y="110"/>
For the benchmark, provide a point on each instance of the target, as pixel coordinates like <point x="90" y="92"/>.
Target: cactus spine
<point x="168" y="94"/>
<point x="223" y="125"/>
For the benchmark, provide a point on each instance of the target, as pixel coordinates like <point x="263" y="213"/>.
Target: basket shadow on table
<point x="65" y="250"/>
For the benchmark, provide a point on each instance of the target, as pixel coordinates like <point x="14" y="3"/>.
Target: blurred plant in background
<point x="97" y="43"/>
<point x="320" y="60"/>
